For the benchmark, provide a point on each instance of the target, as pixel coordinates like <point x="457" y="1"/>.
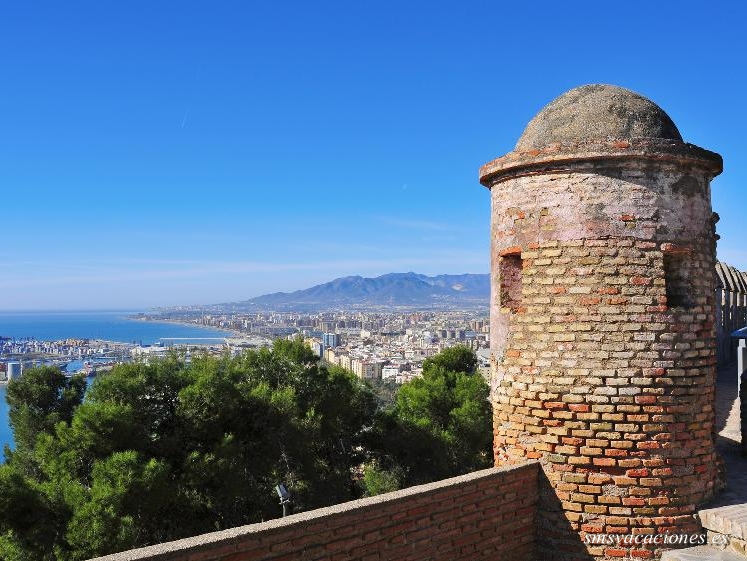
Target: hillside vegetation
<point x="160" y="451"/>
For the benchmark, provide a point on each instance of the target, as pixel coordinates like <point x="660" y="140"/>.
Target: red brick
<point x="513" y="250"/>
<point x="579" y="407"/>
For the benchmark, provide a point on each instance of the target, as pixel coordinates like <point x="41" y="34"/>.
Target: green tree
<point x="385" y="390"/>
<point x="166" y="450"/>
<point x="439" y="425"/>
<point x="40" y="399"/>
<point x="117" y="509"/>
<point x="27" y="530"/>
<point x="377" y="480"/>
<point x="453" y="359"/>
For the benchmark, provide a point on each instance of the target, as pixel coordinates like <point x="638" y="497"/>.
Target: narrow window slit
<point x="511" y="281"/>
<point x="677" y="281"/>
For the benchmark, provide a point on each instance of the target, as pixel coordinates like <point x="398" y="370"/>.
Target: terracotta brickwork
<point x="604" y="370"/>
<point x="490" y="515"/>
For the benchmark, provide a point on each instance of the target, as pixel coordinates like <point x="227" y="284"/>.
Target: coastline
<point x="55" y="338"/>
<point x="115" y="327"/>
<point x="232" y="332"/>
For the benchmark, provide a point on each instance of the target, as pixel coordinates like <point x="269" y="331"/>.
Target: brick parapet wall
<point x="490" y="514"/>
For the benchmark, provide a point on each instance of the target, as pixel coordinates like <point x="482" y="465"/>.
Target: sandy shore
<point x="232" y="332"/>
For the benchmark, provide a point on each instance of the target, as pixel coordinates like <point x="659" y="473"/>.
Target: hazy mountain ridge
<point x="392" y="289"/>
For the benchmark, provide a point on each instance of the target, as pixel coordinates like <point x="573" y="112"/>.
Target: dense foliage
<point x="438" y="427"/>
<point x="164" y="450"/>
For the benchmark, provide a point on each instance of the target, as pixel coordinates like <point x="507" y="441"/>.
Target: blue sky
<point x="163" y="153"/>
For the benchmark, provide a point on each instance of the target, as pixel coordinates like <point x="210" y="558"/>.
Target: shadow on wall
<point x="556" y="539"/>
<point x="728" y="439"/>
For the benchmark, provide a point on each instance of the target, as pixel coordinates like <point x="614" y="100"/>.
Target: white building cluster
<point x="394" y="347"/>
<point x="372" y="345"/>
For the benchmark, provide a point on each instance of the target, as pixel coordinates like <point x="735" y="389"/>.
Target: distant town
<point x="88" y="356"/>
<point x="372" y="345"/>
<point x="388" y="346"/>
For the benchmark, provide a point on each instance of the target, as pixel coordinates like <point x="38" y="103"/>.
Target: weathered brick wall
<point x="604" y="371"/>
<point x="490" y="514"/>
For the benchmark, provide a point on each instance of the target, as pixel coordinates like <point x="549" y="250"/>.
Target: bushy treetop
<point x="163" y="450"/>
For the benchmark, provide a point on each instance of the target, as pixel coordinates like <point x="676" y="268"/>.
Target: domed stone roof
<point x="597" y="112"/>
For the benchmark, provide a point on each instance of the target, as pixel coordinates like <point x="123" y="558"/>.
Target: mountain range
<point x="410" y="290"/>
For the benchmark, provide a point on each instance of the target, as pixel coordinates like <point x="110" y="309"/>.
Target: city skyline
<point x="157" y="157"/>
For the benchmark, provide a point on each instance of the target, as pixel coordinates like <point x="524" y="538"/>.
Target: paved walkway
<point x="728" y="442"/>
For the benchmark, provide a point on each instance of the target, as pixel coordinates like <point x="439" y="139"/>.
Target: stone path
<point x="726" y="515"/>
<point x="728" y="443"/>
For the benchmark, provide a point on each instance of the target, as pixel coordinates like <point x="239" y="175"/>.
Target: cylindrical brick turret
<point x="602" y="319"/>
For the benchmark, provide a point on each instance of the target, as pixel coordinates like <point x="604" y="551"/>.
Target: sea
<point x="108" y="326"/>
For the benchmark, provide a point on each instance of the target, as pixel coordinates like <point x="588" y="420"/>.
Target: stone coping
<point x="728" y="520"/>
<point x="563" y="154"/>
<point x="188" y="545"/>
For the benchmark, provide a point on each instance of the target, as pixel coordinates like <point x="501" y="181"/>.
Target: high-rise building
<point x="331" y="340"/>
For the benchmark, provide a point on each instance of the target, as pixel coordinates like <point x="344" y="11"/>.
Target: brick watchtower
<point x="602" y="319"/>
